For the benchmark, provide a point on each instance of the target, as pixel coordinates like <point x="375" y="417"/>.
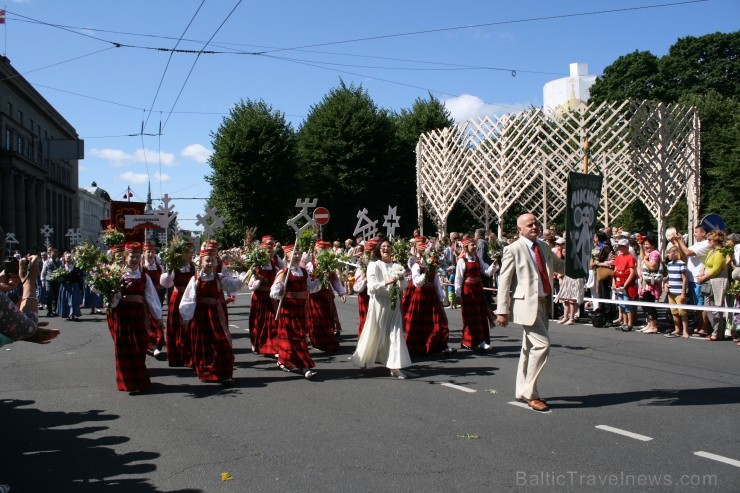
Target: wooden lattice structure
<point x="645" y="151"/>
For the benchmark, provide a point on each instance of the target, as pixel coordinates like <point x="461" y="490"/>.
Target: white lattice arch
<point x="645" y="150"/>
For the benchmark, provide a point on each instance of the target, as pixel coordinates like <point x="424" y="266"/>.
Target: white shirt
<point x="695" y="264"/>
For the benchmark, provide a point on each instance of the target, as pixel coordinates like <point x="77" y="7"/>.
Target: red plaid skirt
<point x="363" y="300"/>
<point x="425" y="322"/>
<point x="321" y="321"/>
<point x="475" y="315"/>
<point x="128" y="323"/>
<point x="213" y="357"/>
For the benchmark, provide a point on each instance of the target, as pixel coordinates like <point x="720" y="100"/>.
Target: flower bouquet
<point x="106" y="280"/>
<point x="397" y="273"/>
<point x="87" y="257"/>
<point x="327" y="262"/>
<point x="401" y="251"/>
<point x="173" y="257"/>
<point x="431" y="264"/>
<point x="113" y="237"/>
<point x="248" y="259"/>
<point x="733" y="289"/>
<point x="306" y="241"/>
<point x="59" y="275"/>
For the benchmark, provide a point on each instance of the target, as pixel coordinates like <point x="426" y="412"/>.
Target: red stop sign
<point x="321" y="215"/>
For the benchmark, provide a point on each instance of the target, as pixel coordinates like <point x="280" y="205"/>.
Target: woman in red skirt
<point x="292" y="286"/>
<point x="476" y="313"/>
<point x="360" y="285"/>
<point x="153" y="268"/>
<point x="323" y="328"/>
<point x="203" y="311"/>
<point x="425" y="321"/>
<point x="128" y="322"/>
<point x="177" y="337"/>
<point x="262" y="325"/>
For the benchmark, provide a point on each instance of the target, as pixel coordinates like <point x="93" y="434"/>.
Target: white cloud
<point x="197" y="153"/>
<point x="118" y="158"/>
<point x="152" y="157"/>
<point x="142" y="178"/>
<point x="467" y="106"/>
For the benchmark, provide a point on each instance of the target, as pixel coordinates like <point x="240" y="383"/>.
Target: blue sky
<point x="108" y="69"/>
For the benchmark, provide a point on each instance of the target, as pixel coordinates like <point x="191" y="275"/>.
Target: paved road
<point x="630" y="412"/>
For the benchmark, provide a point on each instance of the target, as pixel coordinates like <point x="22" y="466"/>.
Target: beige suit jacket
<point x="518" y="282"/>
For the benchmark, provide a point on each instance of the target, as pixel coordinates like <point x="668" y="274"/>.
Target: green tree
<point x="346" y="151"/>
<point x="632" y="76"/>
<point x="254" y="165"/>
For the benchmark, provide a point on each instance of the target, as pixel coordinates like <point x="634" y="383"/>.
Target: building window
<point x="10" y="109"/>
<point x="20" y="117"/>
<point x="8" y="140"/>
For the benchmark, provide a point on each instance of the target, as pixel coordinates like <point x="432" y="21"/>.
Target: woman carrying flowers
<point x="425" y="321"/>
<point x="152" y="267"/>
<point x="203" y="311"/>
<point x="128" y="322"/>
<point x="382" y="337"/>
<point x="476" y="312"/>
<point x="323" y="327"/>
<point x="180" y="269"/>
<point x="291" y="288"/>
<point x="262" y="324"/>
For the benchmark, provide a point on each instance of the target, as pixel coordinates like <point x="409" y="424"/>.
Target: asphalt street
<point x="629" y="412"/>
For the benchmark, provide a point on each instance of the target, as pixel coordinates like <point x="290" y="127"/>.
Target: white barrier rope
<point x="724" y="309"/>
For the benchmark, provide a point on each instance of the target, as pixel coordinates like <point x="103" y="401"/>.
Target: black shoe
<point x="465" y="346"/>
<point x="627" y="328"/>
<point x="448" y="351"/>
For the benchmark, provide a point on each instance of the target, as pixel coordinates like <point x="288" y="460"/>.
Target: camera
<point x="10" y="266"/>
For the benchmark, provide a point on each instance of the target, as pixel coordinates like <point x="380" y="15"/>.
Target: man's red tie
<point x="542" y="268"/>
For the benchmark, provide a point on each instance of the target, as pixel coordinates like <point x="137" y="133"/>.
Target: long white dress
<point x="382" y="338"/>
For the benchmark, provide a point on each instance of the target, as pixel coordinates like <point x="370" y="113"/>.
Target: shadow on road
<point x="656" y="397"/>
<point x="48" y="451"/>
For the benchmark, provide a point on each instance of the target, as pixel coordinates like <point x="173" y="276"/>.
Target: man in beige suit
<point x="526" y="272"/>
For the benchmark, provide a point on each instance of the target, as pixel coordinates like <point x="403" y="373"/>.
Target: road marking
<point x="626" y="433"/>
<point x="458" y="387"/>
<point x="718" y="458"/>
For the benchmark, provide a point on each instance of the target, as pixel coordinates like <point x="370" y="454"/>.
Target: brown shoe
<point x="538" y="405"/>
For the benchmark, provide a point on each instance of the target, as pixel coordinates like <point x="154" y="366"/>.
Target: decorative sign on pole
<point x="365" y="226"/>
<point x="321" y="215"/>
<point x="310" y="223"/>
<point x="162" y="237"/>
<point x="391" y="221"/>
<point x="210" y="222"/>
<point x="46" y="232"/>
<point x="75" y="237"/>
<point x="584" y="194"/>
<point x="10" y="240"/>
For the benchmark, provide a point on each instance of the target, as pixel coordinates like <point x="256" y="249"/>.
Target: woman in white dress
<point x="382" y="338"/>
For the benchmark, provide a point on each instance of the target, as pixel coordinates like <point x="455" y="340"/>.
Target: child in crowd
<point x="676" y="284"/>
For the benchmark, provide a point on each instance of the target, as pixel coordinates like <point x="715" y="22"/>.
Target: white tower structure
<point x="570" y="91"/>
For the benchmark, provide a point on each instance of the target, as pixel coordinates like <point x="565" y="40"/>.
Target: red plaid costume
<point x="425" y="322"/>
<point x="178" y="338"/>
<point x="363" y="300"/>
<point x="156" y="334"/>
<point x="321" y="320"/>
<point x="262" y="324"/>
<point x="213" y="356"/>
<point x="475" y="311"/>
<point x="292" y="348"/>
<point x="128" y="323"/>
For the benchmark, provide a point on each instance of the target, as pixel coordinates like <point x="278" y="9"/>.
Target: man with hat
<point x="203" y="311"/>
<point x="262" y="325"/>
<point x="624" y="282"/>
<point x="323" y="321"/>
<point x="128" y="321"/>
<point x="177" y="339"/>
<point x="476" y="312"/>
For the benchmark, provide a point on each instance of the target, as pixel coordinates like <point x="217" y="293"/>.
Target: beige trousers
<point x="535" y="348"/>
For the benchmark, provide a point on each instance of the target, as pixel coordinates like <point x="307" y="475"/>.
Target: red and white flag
<point x="2" y="17"/>
<point x="128" y="194"/>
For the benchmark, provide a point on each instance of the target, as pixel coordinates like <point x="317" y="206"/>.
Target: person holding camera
<point x="652" y="280"/>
